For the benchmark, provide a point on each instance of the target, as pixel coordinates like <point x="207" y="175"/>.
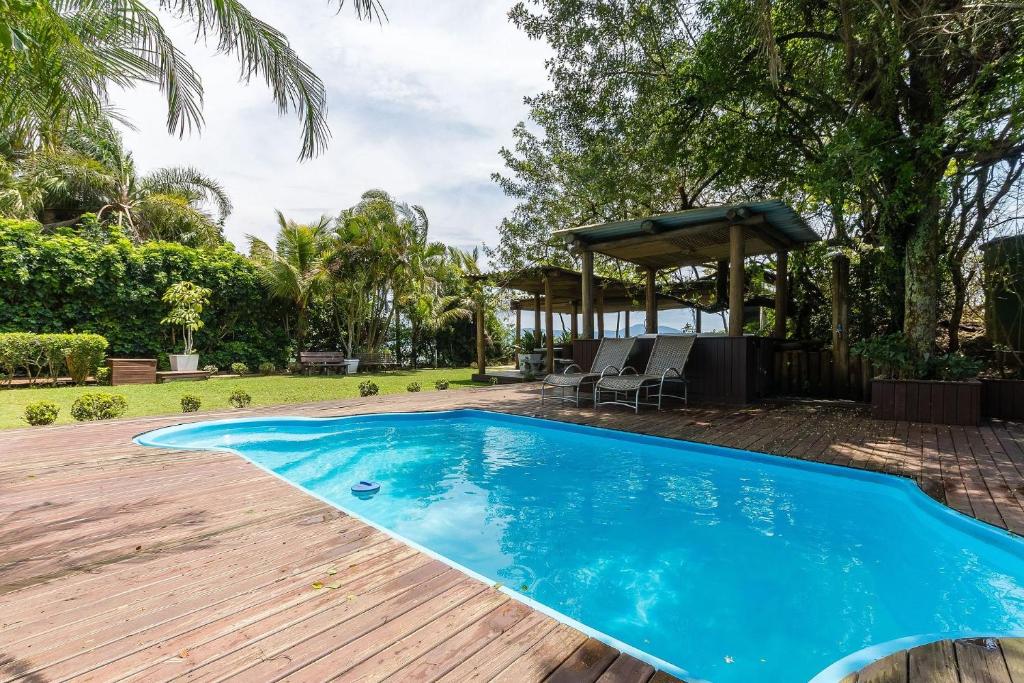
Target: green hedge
<point x="53" y="355"/>
<point x="72" y="282"/>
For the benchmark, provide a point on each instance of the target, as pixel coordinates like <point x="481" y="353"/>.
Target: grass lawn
<point x="159" y="399"/>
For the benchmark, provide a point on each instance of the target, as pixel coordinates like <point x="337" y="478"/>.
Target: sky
<point x="419" y="106"/>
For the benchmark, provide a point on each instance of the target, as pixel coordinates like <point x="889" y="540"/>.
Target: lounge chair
<point x="611" y="357"/>
<point x="668" y="358"/>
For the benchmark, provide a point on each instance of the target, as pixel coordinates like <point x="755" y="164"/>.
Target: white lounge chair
<point x="668" y="358"/>
<point x="612" y="356"/>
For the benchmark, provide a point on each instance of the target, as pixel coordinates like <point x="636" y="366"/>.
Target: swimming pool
<point x="713" y="563"/>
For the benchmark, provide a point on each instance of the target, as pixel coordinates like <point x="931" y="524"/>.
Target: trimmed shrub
<point x="294" y="367"/>
<point x="239" y="368"/>
<point x="368" y="388"/>
<point x="190" y="403"/>
<point x="267" y="368"/>
<point x="82" y="354"/>
<point x="212" y="369"/>
<point x="41" y="413"/>
<point x="103" y="375"/>
<point x="493" y="381"/>
<point x="88" y="407"/>
<point x="413" y="387"/>
<point x="441" y="384"/>
<point x="33" y="353"/>
<point x="239" y="399"/>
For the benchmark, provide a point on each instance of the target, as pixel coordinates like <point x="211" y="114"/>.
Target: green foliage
<point x="267" y="368"/>
<point x="63" y="281"/>
<point x="413" y="387"/>
<point x="493" y="381"/>
<point x="187" y="301"/>
<point x="239" y="368"/>
<point x="79" y="354"/>
<point x="892" y="355"/>
<point x="190" y="403"/>
<point x="441" y="384"/>
<point x="239" y="399"/>
<point x="212" y="369"/>
<point x="103" y="375"/>
<point x="368" y="388"/>
<point x="98" y="406"/>
<point x="41" y="413"/>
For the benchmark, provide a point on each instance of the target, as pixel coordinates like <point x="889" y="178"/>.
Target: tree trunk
<point x="956" y="314"/>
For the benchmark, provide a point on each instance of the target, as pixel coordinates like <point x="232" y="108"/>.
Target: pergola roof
<point x="611" y="304"/>
<point x="566" y="287"/>
<point x="696" y="236"/>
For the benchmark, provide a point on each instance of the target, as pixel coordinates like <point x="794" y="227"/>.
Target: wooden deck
<point x="118" y="561"/>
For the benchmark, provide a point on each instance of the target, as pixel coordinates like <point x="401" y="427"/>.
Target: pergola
<point x="721" y="235"/>
<point x="560" y="290"/>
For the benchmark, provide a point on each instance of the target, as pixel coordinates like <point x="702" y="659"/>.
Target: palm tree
<point x="59" y="57"/>
<point x="91" y="171"/>
<point x="296" y="270"/>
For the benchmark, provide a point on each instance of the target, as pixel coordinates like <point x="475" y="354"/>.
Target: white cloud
<point x="419" y="106"/>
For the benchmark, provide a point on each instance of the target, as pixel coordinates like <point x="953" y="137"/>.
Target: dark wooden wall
<point x="1002" y="398"/>
<point x="720" y="369"/>
<point x="951" y="403"/>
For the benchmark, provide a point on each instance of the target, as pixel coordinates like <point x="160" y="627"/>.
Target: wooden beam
<point x="481" y="347"/>
<point x="735" y="280"/>
<point x="536" y="321"/>
<point x="587" y="293"/>
<point x="627" y="323"/>
<point x="696" y="320"/>
<point x="651" y="302"/>
<point x="600" y="312"/>
<point x="549" y="325"/>
<point x="781" y="292"/>
<point x="574" y="330"/>
<point x="519" y="333"/>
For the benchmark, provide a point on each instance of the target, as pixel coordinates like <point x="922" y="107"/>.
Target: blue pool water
<point x="729" y="566"/>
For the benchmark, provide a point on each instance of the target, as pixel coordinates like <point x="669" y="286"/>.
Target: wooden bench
<point x="379" y="359"/>
<point x="322" y="360"/>
<point x="132" y="371"/>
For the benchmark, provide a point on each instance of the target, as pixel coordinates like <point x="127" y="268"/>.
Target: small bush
<point x="102" y="375"/>
<point x="89" y="407"/>
<point x="493" y="381"/>
<point x="82" y="354"/>
<point x="295" y="367"/>
<point x="240" y="368"/>
<point x="413" y="387"/>
<point x="190" y="403"/>
<point x="267" y="368"/>
<point x="441" y="384"/>
<point x="368" y="388"/>
<point x="212" y="369"/>
<point x="41" y="413"/>
<point x="239" y="399"/>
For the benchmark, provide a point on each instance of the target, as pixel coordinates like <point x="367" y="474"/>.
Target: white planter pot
<point x="181" y="362"/>
<point x="353" y="365"/>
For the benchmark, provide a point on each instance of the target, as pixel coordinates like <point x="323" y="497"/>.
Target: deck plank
<point x="123" y="562"/>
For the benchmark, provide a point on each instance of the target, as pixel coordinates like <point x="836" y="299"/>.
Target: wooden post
<point x="781" y="292"/>
<point x="627" y="323"/>
<point x="840" y="323"/>
<point x="600" y="312"/>
<point x="735" y="280"/>
<point x="722" y="283"/>
<point x="549" y="325"/>
<point x="651" y="302"/>
<point x="574" y="330"/>
<point x="519" y="332"/>
<point x="696" y="320"/>
<point x="587" y="293"/>
<point x="536" y="322"/>
<point x="481" y="357"/>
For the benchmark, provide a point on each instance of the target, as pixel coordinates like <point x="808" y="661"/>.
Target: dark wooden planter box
<point x="132" y="370"/>
<point x="950" y="403"/>
<point x="1002" y="398"/>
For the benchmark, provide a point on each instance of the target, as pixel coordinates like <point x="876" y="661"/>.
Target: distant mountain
<point x="636" y="330"/>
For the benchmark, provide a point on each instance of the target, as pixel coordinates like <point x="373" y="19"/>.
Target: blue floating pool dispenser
<point x="366" y="488"/>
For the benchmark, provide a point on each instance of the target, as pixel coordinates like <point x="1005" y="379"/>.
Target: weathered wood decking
<point x="123" y="562"/>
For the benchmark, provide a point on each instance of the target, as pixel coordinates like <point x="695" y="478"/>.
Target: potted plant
<point x="941" y="388"/>
<point x="186" y="300"/>
<point x="527" y="358"/>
